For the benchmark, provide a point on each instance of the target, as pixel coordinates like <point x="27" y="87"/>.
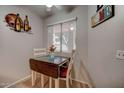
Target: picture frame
<point x="99" y="7"/>
<point x="104" y="13"/>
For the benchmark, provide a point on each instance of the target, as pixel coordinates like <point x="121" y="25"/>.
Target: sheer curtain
<point x="50" y="36"/>
<point x="63" y="36"/>
<point x="68" y="36"/>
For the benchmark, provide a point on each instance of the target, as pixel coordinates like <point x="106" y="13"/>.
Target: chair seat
<point x="63" y="71"/>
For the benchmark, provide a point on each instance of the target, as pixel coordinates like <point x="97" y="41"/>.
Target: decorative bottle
<point x="18" y="24"/>
<point x="26" y="24"/>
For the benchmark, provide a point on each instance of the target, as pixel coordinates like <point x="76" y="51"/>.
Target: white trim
<point x="83" y="82"/>
<point x="18" y="81"/>
<point x="64" y="21"/>
<point x="27" y="77"/>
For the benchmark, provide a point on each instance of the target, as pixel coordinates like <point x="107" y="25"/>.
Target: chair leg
<point x="33" y="77"/>
<point x="67" y="82"/>
<point x="56" y="83"/>
<point x="50" y="82"/>
<point x="70" y="81"/>
<point x="42" y="80"/>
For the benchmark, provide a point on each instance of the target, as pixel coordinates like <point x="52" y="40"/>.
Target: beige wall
<point x="103" y="41"/>
<point x="16" y="48"/>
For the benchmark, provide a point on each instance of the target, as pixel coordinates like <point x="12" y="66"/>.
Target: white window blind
<point x="63" y="36"/>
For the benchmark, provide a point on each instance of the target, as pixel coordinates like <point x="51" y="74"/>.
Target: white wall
<point x="82" y="35"/>
<point x="16" y="48"/>
<point x="103" y="41"/>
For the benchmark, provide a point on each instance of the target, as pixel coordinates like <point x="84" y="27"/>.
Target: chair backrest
<point x="37" y="52"/>
<point x="70" y="65"/>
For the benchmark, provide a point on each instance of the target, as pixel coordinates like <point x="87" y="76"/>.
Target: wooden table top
<point x="57" y="60"/>
<point x="48" y="65"/>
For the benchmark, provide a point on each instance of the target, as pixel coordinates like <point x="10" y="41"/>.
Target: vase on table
<point x="51" y="55"/>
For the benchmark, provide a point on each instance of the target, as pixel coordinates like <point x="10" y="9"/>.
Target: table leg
<point x="42" y="80"/>
<point x="56" y="83"/>
<point x="33" y="77"/>
<point x="50" y="82"/>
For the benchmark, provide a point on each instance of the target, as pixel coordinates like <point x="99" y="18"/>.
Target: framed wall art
<point x="15" y="22"/>
<point x="104" y="13"/>
<point x="99" y="7"/>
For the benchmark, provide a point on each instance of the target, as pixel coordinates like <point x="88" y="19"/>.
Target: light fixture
<point x="49" y="6"/>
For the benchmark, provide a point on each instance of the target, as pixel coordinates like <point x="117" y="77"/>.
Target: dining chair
<point x="37" y="52"/>
<point x="40" y="52"/>
<point x="65" y="71"/>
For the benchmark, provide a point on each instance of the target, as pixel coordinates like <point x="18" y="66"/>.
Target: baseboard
<point x="18" y="81"/>
<point x="82" y="82"/>
<point x="27" y="77"/>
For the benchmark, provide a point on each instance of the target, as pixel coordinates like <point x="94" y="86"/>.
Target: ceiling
<point x="41" y="9"/>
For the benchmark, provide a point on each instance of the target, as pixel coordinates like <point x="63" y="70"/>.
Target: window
<point x="62" y="36"/>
